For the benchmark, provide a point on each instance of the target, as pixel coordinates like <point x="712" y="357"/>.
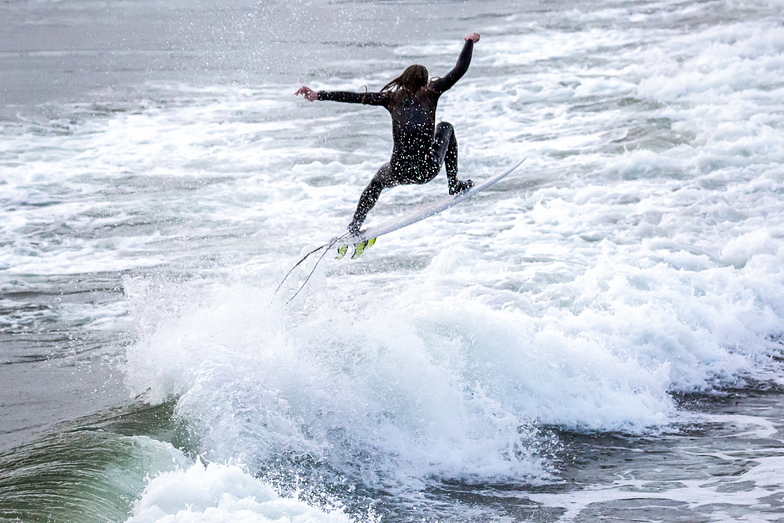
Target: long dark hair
<point x="412" y="80"/>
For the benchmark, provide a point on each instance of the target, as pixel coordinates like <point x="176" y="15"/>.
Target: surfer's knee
<point x="445" y="133"/>
<point x="384" y="178"/>
<point x="445" y="127"/>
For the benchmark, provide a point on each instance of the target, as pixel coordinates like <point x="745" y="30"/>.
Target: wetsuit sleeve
<point x="355" y="98"/>
<point x="442" y="84"/>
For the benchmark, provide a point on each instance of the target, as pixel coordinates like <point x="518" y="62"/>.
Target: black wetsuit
<point x="420" y="147"/>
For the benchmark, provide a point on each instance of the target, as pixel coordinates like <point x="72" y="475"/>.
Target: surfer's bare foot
<point x="459" y="186"/>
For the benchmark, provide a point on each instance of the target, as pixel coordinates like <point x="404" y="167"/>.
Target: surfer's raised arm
<point x="464" y="60"/>
<point x="344" y="96"/>
<point x="439" y="85"/>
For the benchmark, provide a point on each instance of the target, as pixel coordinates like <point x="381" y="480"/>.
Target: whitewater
<point x="599" y="336"/>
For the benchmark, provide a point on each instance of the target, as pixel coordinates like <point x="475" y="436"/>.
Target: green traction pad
<point x="359" y="248"/>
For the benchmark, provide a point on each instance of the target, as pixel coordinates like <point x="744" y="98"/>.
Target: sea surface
<point x="598" y="337"/>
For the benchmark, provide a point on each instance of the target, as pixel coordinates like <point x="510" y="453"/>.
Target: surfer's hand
<point x="473" y="36"/>
<point x="308" y="93"/>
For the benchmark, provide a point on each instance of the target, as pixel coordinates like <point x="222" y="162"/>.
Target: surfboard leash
<point x="297" y="265"/>
<point x="327" y="246"/>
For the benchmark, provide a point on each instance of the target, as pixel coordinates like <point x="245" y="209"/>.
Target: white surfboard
<point x="367" y="237"/>
<point x="371" y="233"/>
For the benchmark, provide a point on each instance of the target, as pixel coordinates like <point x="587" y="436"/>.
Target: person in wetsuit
<point x="420" y="146"/>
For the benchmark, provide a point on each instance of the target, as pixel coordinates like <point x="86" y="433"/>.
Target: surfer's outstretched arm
<point x="309" y="94"/>
<point x="344" y="96"/>
<point x="464" y="60"/>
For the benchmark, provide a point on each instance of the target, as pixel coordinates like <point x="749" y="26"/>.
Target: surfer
<point x="420" y="146"/>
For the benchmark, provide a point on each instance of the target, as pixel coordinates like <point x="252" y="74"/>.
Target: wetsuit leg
<point x="383" y="179"/>
<point x="445" y="146"/>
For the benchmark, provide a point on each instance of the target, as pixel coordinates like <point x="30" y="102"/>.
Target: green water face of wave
<point x="92" y="470"/>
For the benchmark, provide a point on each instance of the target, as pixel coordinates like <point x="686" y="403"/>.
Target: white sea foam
<point x="637" y="253"/>
<point x="332" y="387"/>
<point x="220" y="493"/>
<point x="581" y="293"/>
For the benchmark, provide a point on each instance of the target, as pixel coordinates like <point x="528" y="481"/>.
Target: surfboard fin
<point x="341" y="252"/>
